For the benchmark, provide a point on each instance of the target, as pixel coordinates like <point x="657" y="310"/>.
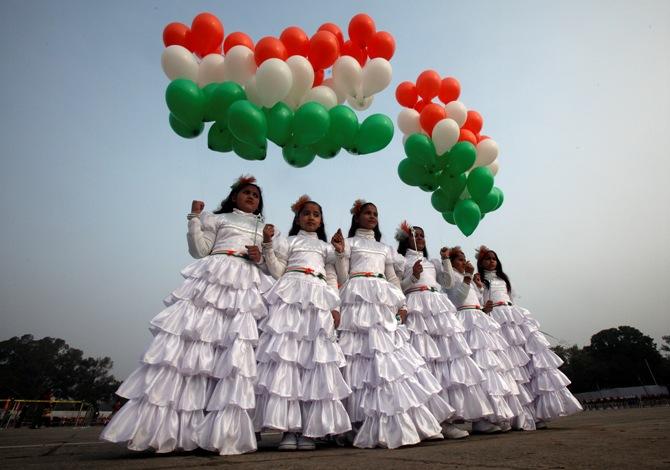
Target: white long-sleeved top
<point x="303" y="250"/>
<point x="436" y="274"/>
<point x="497" y="290"/>
<point x="211" y="233"/>
<point x="462" y="293"/>
<point x="362" y="253"/>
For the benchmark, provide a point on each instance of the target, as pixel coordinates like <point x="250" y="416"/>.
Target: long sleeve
<point x="408" y="281"/>
<point x="461" y="290"/>
<point x="201" y="235"/>
<point x="445" y="273"/>
<point x="391" y="277"/>
<point x="331" y="276"/>
<point x="342" y="263"/>
<point x="274" y="264"/>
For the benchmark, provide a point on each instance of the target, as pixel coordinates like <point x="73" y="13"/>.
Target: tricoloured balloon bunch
<point x="275" y="89"/>
<point x="446" y="153"/>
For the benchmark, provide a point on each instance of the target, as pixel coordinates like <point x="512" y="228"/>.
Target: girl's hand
<point x="469" y="268"/>
<point x="444" y="252"/>
<point x="402" y="313"/>
<point x="467" y="279"/>
<point x="478" y="280"/>
<point x="197" y="206"/>
<point x="254" y="253"/>
<point x="336" y="318"/>
<point x="268" y="233"/>
<point x="488" y="306"/>
<point x="338" y="241"/>
<point x="417" y="269"/>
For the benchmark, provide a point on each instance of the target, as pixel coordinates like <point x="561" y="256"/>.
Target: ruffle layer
<point x="361" y="370"/>
<point x="470" y="402"/>
<point x="372" y="291"/>
<point x="556" y="404"/>
<point x="235" y="390"/>
<point x="206" y="324"/>
<point x="373" y="341"/>
<point x="549" y="380"/>
<point x="147" y="426"/>
<point x="287" y="380"/>
<point x="309" y="354"/>
<point x="237" y="359"/>
<point x="302" y="323"/>
<point x="228" y="271"/>
<point x="228" y="432"/>
<point x="462" y="371"/>
<point x="304" y="290"/>
<point x="398" y="430"/>
<point x="362" y="317"/>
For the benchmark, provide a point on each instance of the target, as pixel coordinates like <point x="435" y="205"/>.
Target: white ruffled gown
<point x="202" y="357"/>
<point x="300" y="385"/>
<point x="438" y="335"/>
<point x="489" y="348"/>
<point x="394" y="395"/>
<point x="547" y="383"/>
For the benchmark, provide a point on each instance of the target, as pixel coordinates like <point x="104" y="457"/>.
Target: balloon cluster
<point x="446" y="153"/>
<point x="275" y="89"/>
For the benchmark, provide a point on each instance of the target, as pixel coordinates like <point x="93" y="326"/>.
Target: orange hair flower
<point x="358" y="204"/>
<point x="300" y="203"/>
<point x="481" y="251"/>
<point x="243" y="180"/>
<point x="403" y="231"/>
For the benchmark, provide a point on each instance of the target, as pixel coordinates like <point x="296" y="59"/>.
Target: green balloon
<point x="343" y="126"/>
<point x="219" y="99"/>
<point x="280" y="121"/>
<point x="467" y="216"/>
<point x="429" y="183"/>
<point x="248" y="123"/>
<point x="449" y="217"/>
<point x="219" y="138"/>
<point x="248" y="151"/>
<point x="186" y="101"/>
<point x="480" y="182"/>
<point x="310" y="123"/>
<point x="326" y="148"/>
<point x="410" y="173"/>
<point x="501" y="197"/>
<point x="442" y="201"/>
<point x="208" y="90"/>
<point x="452" y="184"/>
<point x="420" y="149"/>
<point x="461" y="157"/>
<point x="298" y="156"/>
<point x="374" y="134"/>
<point x="489" y="202"/>
<point x="187" y="131"/>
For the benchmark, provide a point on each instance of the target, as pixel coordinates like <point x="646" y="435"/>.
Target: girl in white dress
<point x="202" y="357"/>
<point x="546" y="385"/>
<point x="436" y="333"/>
<point x="395" y="399"/>
<point x="300" y="386"/>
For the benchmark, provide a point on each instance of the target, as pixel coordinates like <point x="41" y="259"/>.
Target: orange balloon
<point x="428" y="84"/>
<point x="176" y="34"/>
<point x="381" y="44"/>
<point x="474" y="122"/>
<point x="237" y="39"/>
<point x="333" y="28"/>
<point x="468" y="136"/>
<point x="450" y="90"/>
<point x="361" y="29"/>
<point x="420" y="105"/>
<point x="406" y="94"/>
<point x="206" y="34"/>
<point x="355" y="51"/>
<point x="430" y="115"/>
<point x="482" y="137"/>
<point x="318" y="77"/>
<point x="323" y="49"/>
<point x="269" y="47"/>
<point x="295" y="40"/>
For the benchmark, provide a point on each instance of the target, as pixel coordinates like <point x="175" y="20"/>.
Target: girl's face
<point x="420" y="239"/>
<point x="490" y="261"/>
<point x="309" y="218"/>
<point x="247" y="199"/>
<point x="367" y="219"/>
<point x="458" y="263"/>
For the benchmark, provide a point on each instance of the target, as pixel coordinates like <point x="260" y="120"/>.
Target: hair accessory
<point x="243" y="180"/>
<point x="403" y="231"/>
<point x="456" y="249"/>
<point x="481" y="252"/>
<point x="358" y="204"/>
<point x="300" y="203"/>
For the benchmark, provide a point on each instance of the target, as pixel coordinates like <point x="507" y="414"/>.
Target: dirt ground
<point x="626" y="438"/>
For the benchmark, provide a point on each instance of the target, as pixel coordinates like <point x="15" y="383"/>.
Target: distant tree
<point x="665" y="347"/>
<point x="29" y="368"/>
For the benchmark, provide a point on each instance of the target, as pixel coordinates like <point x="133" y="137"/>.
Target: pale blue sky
<point x="94" y="185"/>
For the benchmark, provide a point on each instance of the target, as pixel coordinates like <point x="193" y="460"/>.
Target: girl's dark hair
<point x="403" y="245"/>
<point x="354" y="223"/>
<point x="320" y="232"/>
<point x="499" y="271"/>
<point x="227" y="205"/>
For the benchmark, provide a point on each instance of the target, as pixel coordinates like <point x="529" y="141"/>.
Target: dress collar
<point x="302" y="233"/>
<point x="365" y="233"/>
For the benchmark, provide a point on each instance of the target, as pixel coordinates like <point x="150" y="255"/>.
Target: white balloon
<point x="252" y="92"/>
<point x="273" y="81"/>
<point x="494" y="167"/>
<point x="321" y="94"/>
<point x="445" y="135"/>
<point x="408" y="121"/>
<point x="377" y="75"/>
<point x="457" y="111"/>
<point x="360" y="104"/>
<point x="179" y="62"/>
<point x="341" y="95"/>
<point x="211" y="70"/>
<point x="348" y="75"/>
<point x="240" y="64"/>
<point x="487" y="152"/>
<point x="303" y="79"/>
